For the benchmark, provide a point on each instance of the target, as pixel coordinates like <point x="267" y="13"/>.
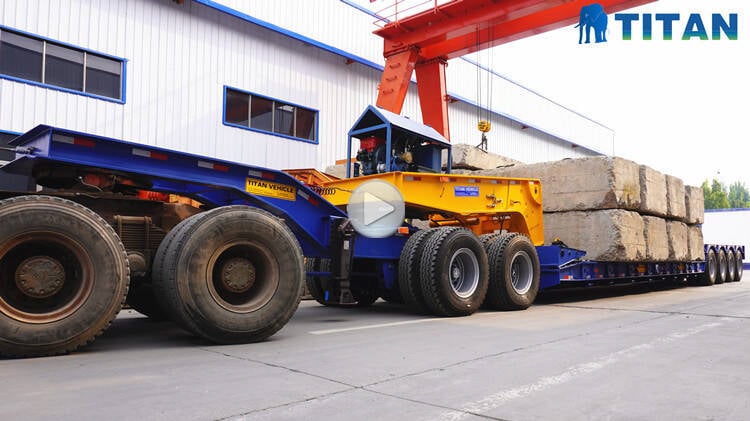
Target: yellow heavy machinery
<point x="484" y="205"/>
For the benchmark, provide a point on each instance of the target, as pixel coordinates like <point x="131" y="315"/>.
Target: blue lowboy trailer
<point x="225" y="250"/>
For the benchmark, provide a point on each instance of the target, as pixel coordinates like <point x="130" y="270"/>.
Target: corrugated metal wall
<point x="507" y="98"/>
<point x="179" y="58"/>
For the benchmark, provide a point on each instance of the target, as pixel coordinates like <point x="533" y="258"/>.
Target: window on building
<point x="46" y="62"/>
<point x="269" y="115"/>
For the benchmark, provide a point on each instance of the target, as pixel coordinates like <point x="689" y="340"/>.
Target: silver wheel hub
<point x="521" y="272"/>
<point x="464" y="272"/>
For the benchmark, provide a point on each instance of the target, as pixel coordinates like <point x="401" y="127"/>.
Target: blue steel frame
<point x="389" y="126"/>
<point x="563" y="266"/>
<point x="311" y="218"/>
<point x="123" y="75"/>
<point x="208" y="180"/>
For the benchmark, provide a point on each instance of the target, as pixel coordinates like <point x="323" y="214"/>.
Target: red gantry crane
<point x="426" y="41"/>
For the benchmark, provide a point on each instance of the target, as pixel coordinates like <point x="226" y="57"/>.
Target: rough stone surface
<point x="693" y="205"/>
<point x="469" y="157"/>
<point x="336" y="170"/>
<point x="606" y="235"/>
<point x="677" y="232"/>
<point x="592" y="183"/>
<point x="675" y="197"/>
<point x="695" y="243"/>
<point x="655" y="235"/>
<point x="653" y="191"/>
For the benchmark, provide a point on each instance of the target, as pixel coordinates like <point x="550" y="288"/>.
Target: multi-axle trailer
<point x="225" y="249"/>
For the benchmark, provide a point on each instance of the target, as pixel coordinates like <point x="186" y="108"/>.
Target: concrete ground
<point x="632" y="353"/>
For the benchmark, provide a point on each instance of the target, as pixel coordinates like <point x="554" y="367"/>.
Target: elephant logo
<point x="592" y="16"/>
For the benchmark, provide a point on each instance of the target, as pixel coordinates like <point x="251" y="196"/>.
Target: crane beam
<point x="461" y="27"/>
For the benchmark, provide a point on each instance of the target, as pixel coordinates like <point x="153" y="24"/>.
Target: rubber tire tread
<point x="314" y="283"/>
<point x="738" y="262"/>
<point x="711" y="260"/>
<point x="108" y="256"/>
<point x="365" y="298"/>
<point x="142" y="299"/>
<point x="186" y="295"/>
<point x="731" y="266"/>
<point x="435" y="273"/>
<point x="169" y="303"/>
<point x="488" y="239"/>
<point x="501" y="295"/>
<point x="721" y="262"/>
<point x="409" y="280"/>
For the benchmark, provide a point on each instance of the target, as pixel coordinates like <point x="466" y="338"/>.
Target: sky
<point x="681" y="107"/>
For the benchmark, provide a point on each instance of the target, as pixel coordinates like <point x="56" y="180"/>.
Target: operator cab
<point x="389" y="142"/>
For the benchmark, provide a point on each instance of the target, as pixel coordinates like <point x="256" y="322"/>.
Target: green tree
<point x="715" y="196"/>
<point x="738" y="195"/>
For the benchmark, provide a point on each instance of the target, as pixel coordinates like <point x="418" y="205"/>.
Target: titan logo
<point x="594" y="17"/>
<point x="695" y="28"/>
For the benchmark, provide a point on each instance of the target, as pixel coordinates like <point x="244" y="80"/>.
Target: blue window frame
<point x="39" y="61"/>
<point x="259" y="113"/>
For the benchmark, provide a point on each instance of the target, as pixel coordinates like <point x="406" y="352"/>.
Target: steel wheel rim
<point x="242" y="276"/>
<point x="464" y="272"/>
<point x="521" y="272"/>
<point x="59" y="273"/>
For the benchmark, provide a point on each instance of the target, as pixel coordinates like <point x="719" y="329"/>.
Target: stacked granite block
<point x="616" y="209"/>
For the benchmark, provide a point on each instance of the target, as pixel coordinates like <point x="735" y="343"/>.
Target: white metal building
<point x="727" y="226"/>
<point x="271" y="83"/>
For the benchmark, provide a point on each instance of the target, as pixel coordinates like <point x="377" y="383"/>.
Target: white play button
<point x="376" y="209"/>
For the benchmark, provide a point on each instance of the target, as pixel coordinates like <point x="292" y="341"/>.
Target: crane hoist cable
<point x="484" y="107"/>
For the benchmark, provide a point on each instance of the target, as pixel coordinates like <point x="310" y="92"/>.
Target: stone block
<point x="675" y="197"/>
<point x="469" y="157"/>
<point x="694" y="205"/>
<point x="592" y="183"/>
<point x="677" y="233"/>
<point x="655" y="236"/>
<point x="338" y="170"/>
<point x="606" y="235"/>
<point x="653" y="191"/>
<point x="695" y="243"/>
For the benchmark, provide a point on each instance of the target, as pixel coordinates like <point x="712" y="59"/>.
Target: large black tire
<point x="738" y="262"/>
<point x="487" y="239"/>
<point x="454" y="273"/>
<point x="63" y="276"/>
<point x="159" y="262"/>
<point x="731" y="266"/>
<point x="712" y="268"/>
<point x="141" y="298"/>
<point x="364" y="291"/>
<point x="514" y="273"/>
<point x="315" y="283"/>
<point x="409" y="279"/>
<point x="230" y="275"/>
<point x="721" y="264"/>
<point x="392" y="295"/>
